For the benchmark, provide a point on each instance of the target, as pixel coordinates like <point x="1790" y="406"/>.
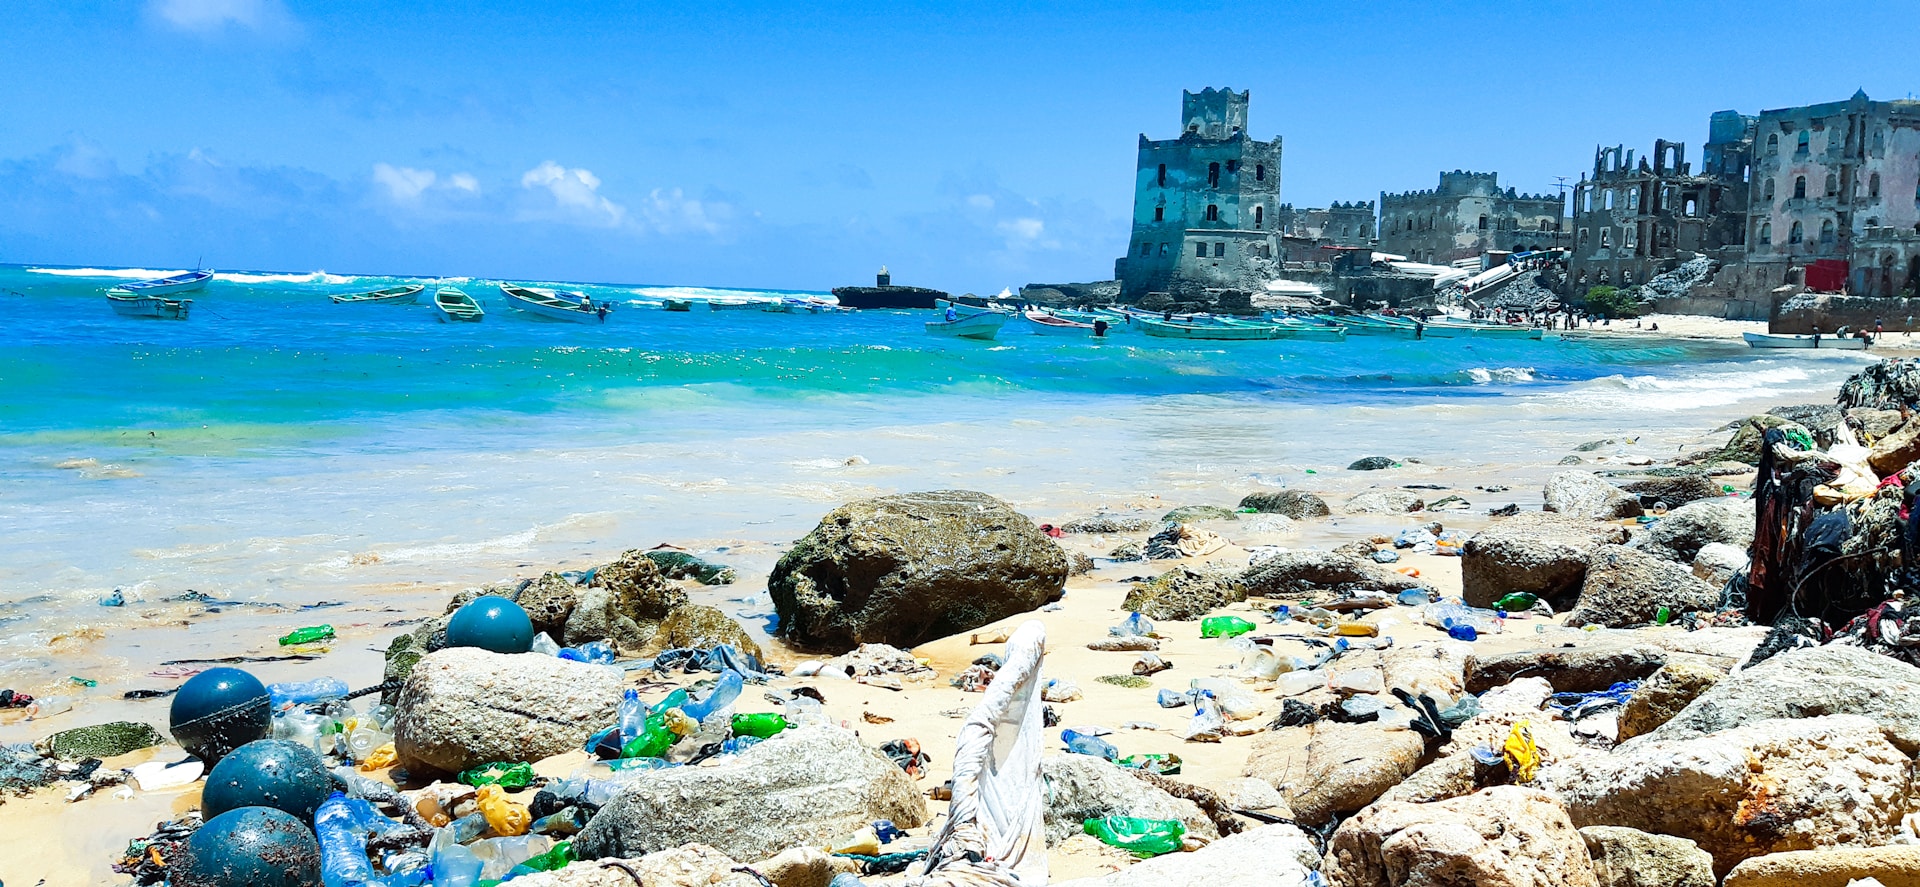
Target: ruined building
<point x="1634" y="220"/>
<point x="1342" y="224"/>
<point x="1467" y="215"/>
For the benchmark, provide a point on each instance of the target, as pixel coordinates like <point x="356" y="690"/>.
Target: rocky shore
<point x="1644" y="674"/>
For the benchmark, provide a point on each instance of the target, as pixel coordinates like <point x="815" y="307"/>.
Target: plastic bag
<point x="1208" y="723"/>
<point x="1523" y="757"/>
<point x="1142" y="837"/>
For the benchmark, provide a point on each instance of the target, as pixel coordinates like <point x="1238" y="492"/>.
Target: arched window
<point x="1633" y="199"/>
<point x="1213" y="212"/>
<point x="1773" y="144"/>
<point x="1588" y="207"/>
<point x="1163" y="175"/>
<point x="1796" y="235"/>
<point x="1801" y="147"/>
<point x="1259" y="216"/>
<point x="1606" y="199"/>
<point x="1879" y="141"/>
<point x="1826" y="231"/>
<point x="1873" y="186"/>
<point x="1688" y="210"/>
<point x="1259" y="172"/>
<point x="1799" y="187"/>
<point x="1768" y="188"/>
<point x="1213" y="175"/>
<point x="1833" y="184"/>
<point x="1606" y="237"/>
<point x="1765" y="237"/>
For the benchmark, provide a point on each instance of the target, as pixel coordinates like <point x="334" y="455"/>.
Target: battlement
<point x="1214" y="113"/>
<point x="1462" y="181"/>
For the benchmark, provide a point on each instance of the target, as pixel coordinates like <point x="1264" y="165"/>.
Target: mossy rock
<point x="1185" y="593"/>
<point x="1187" y="514"/>
<point x="681" y="565"/>
<point x="102" y="740"/>
<point x="403" y="653"/>
<point x="1296" y="504"/>
<point x="643" y="593"/>
<point x="701" y="627"/>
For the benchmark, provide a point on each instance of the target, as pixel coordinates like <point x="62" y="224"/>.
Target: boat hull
<point x="402" y="296"/>
<point x="1455" y="331"/>
<point x="732" y="305"/>
<point x="150" y="306"/>
<point x="678" y="305"/>
<point x="1048" y="325"/>
<point x="1161" y="329"/>
<point x="557" y="309"/>
<point x="1826" y="343"/>
<point x="886" y="297"/>
<point x="975" y="326"/>
<point x="166" y="286"/>
<point x="454" y="306"/>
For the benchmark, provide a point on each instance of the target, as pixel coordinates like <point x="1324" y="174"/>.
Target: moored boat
<point x="1778" y="340"/>
<point x="455" y="306"/>
<point x="164" y="286"/>
<point x="555" y="305"/>
<point x="149" y="306"/>
<point x="393" y="295"/>
<point x="985" y="325"/>
<point x="733" y="304"/>
<point x="677" y="304"/>
<point x="1164" y="329"/>
<point x="1043" y="324"/>
<point x="1442" y="329"/>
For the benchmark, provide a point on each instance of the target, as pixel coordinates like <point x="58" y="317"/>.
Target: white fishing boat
<point x="1044" y="324"/>
<point x="1161" y="329"/>
<point x="963" y="309"/>
<point x="1452" y="329"/>
<point x="187" y="282"/>
<point x="393" y="295"/>
<point x="1833" y="343"/>
<point x="148" y="298"/>
<point x="555" y="304"/>
<point x="455" y="306"/>
<point x="733" y="304"/>
<point x="985" y="325"/>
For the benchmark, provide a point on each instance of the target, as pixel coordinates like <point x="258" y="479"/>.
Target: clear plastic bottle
<point x="343" y="843"/>
<point x="453" y="865"/>
<point x="1082" y="744"/>
<point x="48" y="706"/>
<point x="805" y="711"/>
<point x="721" y="696"/>
<point x="633" y="716"/>
<point x="544" y="645"/>
<point x="1294" y="683"/>
<point x="499" y="855"/>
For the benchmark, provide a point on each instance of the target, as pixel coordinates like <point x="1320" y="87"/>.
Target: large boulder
<point x="1626" y="588"/>
<point x="701" y="627"/>
<point x="1894" y="866"/>
<point x="464" y="706"/>
<point x="549" y="600"/>
<point x="1674" y="491"/>
<point x="906" y="569"/>
<point x="806" y="786"/>
<point x="1624" y="857"/>
<point x="641" y="592"/>
<point x="1897" y="450"/>
<point x="1185" y="592"/>
<point x="1582" y="494"/>
<point x="1384" y="502"/>
<point x="1807" y="683"/>
<point x="1262" y="857"/>
<point x="1347" y="767"/>
<point x="1296" y="504"/>
<point x="1543" y="554"/>
<point x="1298" y="571"/>
<point x="1437" y="668"/>
<point x="1082" y="787"/>
<point x="1664" y="694"/>
<point x="1717" y="562"/>
<point x="1505" y="836"/>
<point x="1454" y="773"/>
<point x="1581" y="669"/>
<point x="1774" y="785"/>
<point x="1679" y="536"/>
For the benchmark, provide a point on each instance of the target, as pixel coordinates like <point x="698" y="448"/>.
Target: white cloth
<point x="998" y="803"/>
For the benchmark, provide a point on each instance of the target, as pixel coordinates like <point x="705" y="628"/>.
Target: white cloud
<point x="980" y="201"/>
<point x="403" y="183"/>
<point x="212" y="15"/>
<point x="575" y="192"/>
<point x="1021" y="230"/>
<point x="463" y="182"/>
<point x="671" y="211"/>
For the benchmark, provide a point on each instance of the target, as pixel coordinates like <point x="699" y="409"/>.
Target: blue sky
<point x="968" y="146"/>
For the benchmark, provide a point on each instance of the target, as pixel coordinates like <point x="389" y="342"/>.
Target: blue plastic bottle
<point x="722" y="695"/>
<point x="1082" y="744"/>
<point x="633" y="716"/>
<point x="343" y="843"/>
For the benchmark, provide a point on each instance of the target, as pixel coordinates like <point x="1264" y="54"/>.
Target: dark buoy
<point x="286" y="776"/>
<point x="249" y="847"/>
<point x="219" y="710"/>
<point x="491" y="622"/>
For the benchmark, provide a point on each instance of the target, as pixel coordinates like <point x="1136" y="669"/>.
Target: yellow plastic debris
<point x="381" y="758"/>
<point x="681" y="723"/>
<point x="1523" y="757"/>
<point x="507" y="818"/>
<point x="1357" y="629"/>
<point x="864" y="842"/>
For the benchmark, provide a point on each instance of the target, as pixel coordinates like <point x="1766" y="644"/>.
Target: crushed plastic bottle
<point x="452" y="864"/>
<point x="343" y="843"/>
<point x="1142" y="837"/>
<point x="1446" y="613"/>
<point x="1208" y="724"/>
<point x="48" y="706"/>
<point x="552" y="860"/>
<point x="1224" y="627"/>
<point x="1170" y="699"/>
<point x="1232" y="697"/>
<point x="544" y="645"/>
<point x="1084" y="744"/>
<point x="566" y="822"/>
<point x="500" y="855"/>
<point x="595" y="652"/>
<point x="805" y="711"/>
<point x="1135" y="625"/>
<point x="1264" y="665"/>
<point x="311" y="634"/>
<point x="1461" y="631"/>
<point x="721" y="696"/>
<point x="518" y="774"/>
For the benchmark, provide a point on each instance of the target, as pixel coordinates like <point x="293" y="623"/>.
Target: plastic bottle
<point x="1517" y="602"/>
<point x="653" y="741"/>
<point x="343" y="843"/>
<point x="467" y="828"/>
<point x="633" y="716"/>
<point x="1170" y="699"/>
<point x="498" y="856"/>
<point x="1662" y="616"/>
<point x="566" y="822"/>
<point x="677" y="699"/>
<point x="308" y="635"/>
<point x="1461" y="631"/>
<point x="760" y="725"/>
<point x="48" y="706"/>
<point x="557" y="858"/>
<point x="544" y="645"/>
<point x="1234" y="701"/>
<point x="1135" y="625"/>
<point x="1224" y="626"/>
<point x="1083" y="744"/>
<point x="805" y="711"/>
<point x="739" y="744"/>
<point x="453" y="865"/>
<point x="1294" y="683"/>
<point x="363" y="741"/>
<point x="722" y="695"/>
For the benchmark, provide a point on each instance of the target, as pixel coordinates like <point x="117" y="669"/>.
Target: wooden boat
<point x="188" y="282"/>
<point x="454" y="306"/>
<point x="965" y="310"/>
<point x="393" y="295"/>
<point x="149" y="306"/>
<point x="1835" y="343"/>
<point x="1443" y="329"/>
<point x="678" y="305"/>
<point x="553" y="305"/>
<point x="733" y="304"/>
<point x="1044" y="324"/>
<point x="1162" y="329"/>
<point x="1372" y="324"/>
<point x="985" y="325"/>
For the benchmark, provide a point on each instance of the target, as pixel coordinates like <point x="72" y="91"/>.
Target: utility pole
<point x="1560" y="182"/>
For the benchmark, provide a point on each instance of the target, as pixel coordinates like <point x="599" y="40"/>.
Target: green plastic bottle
<point x="760" y="725"/>
<point x="1224" y="627"/>
<point x="1143" y="837"/>
<point x="652" y="742"/>
<point x="1662" y="616"/>
<point x="550" y="861"/>
<point x="505" y="775"/>
<point x="308" y="635"/>
<point x="675" y="699"/>
<point x="1517" y="602"/>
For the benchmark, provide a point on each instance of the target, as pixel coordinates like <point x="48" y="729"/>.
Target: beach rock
<point x="591" y="617"/>
<point x="1347" y="767"/>
<point x="804" y="787"/>
<point x="1624" y="857"/>
<point x="1717" y="562"/>
<point x="1543" y="554"/>
<point x="1897" y="450"/>
<point x="401" y="655"/>
<point x="1080" y="564"/>
<point x="1892" y="866"/>
<point x="1569" y="669"/>
<point x="1664" y="694"/>
<point x="1255" y="794"/>
<point x="1083" y="787"/>
<point x="1296" y="504"/>
<point x="691" y="865"/>
<point x="1873" y="424"/>
<point x="549" y="601"/>
<point x="1269" y="856"/>
<point x="1454" y="773"/>
<point x="1437" y="668"/>
<point x="1108" y="523"/>
<point x="1675" y="491"/>
<point x="1680" y="535"/>
<point x="909" y="568"/>
<point x="1747" y="438"/>
<point x="1128" y="551"/>
<point x="644" y="595"/>
<point x="1582" y="494"/>
<point x="464" y="706"/>
<point x="1191" y="513"/>
<point x="1770" y="786"/>
<point x="101" y="740"/>
<point x="675" y="564"/>
<point x="1371" y="463"/>
<point x="1384" y="502"/>
<point x="1186" y="592"/>
<point x="1297" y="571"/>
<point x="1505" y="836"/>
<point x="1805" y="683"/>
<point x="803" y="867"/>
<point x="1626" y="588"/>
<point x="702" y="627"/>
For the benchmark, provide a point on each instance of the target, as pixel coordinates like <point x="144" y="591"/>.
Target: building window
<point x="1587" y="196"/>
<point x="1630" y="237"/>
<point x="1606" y="237"/>
<point x="1799" y="187"/>
<point x="1483" y="223"/>
<point x="1159" y="213"/>
<point x="1796" y="234"/>
<point x="1688" y="209"/>
<point x="1199" y="250"/>
<point x="1765" y="237"/>
<point x="1801" y="147"/>
<point x="1606" y="199"/>
<point x="1213" y="212"/>
<point x="1259" y="216"/>
<point x="1879" y="141"/>
<point x="1633" y="199"/>
<point x="1213" y="175"/>
<point x="1163" y="249"/>
<point x="1583" y="278"/>
<point x="1773" y="144"/>
<point x="1259" y="172"/>
<point x="1233" y="165"/>
<point x="1219" y="250"/>
<point x="1873" y="222"/>
<point x="1833" y="184"/>
<point x="1826" y="232"/>
<point x="1146" y="249"/>
<point x="1626" y="277"/>
<point x="1163" y="175"/>
<point x="1768" y="189"/>
<point x="1873" y="187"/>
<point x="1581" y="241"/>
